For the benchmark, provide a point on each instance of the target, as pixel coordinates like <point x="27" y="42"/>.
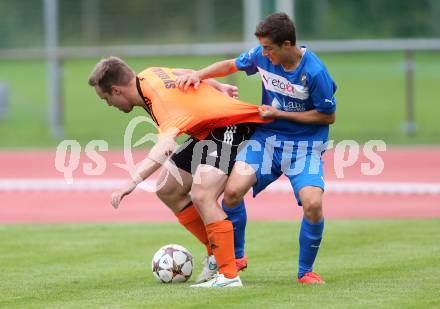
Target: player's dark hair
<point x="278" y="27"/>
<point x="110" y="71"/>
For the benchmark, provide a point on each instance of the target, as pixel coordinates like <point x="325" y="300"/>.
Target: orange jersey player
<point x="217" y="124"/>
<point x="195" y="112"/>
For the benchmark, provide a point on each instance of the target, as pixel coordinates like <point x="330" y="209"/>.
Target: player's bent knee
<point x="312" y="204"/>
<point x="161" y="193"/>
<point x="312" y="207"/>
<point x="170" y="193"/>
<point x="232" y="197"/>
<point x="199" y="195"/>
<point x="164" y="192"/>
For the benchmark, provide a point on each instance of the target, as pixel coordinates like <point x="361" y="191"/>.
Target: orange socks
<point x="218" y="237"/>
<point x="221" y="237"/>
<point x="190" y="219"/>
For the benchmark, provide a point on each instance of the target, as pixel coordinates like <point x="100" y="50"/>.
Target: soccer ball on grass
<point x="172" y="263"/>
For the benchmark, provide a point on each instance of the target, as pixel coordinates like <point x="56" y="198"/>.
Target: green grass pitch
<point x="371" y="99"/>
<point x="366" y="264"/>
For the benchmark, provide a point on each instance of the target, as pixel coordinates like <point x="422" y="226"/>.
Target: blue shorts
<point x="272" y="154"/>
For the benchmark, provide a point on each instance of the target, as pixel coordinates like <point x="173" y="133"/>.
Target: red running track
<point x="401" y="165"/>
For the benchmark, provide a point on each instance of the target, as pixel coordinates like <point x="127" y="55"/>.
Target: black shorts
<point x="218" y="149"/>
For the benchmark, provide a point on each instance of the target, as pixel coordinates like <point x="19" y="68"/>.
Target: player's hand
<point x="184" y="81"/>
<point x="267" y="112"/>
<point x="117" y="196"/>
<point x="229" y="90"/>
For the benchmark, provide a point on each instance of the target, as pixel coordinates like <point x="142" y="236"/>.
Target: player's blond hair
<point x="111" y="71"/>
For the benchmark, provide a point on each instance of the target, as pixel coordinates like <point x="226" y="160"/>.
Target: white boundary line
<point x="109" y="184"/>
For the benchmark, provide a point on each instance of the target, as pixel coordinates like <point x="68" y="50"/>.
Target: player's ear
<point x="116" y="90"/>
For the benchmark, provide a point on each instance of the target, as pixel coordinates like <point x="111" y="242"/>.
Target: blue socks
<point x="238" y="217"/>
<point x="310" y="237"/>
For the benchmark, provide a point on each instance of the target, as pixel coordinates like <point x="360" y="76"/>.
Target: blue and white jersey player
<point x="298" y="93"/>
<point x="289" y="146"/>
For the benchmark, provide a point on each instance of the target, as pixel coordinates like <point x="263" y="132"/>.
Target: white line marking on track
<point x="282" y="186"/>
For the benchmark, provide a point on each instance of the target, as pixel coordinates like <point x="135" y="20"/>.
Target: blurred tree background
<point x="112" y="22"/>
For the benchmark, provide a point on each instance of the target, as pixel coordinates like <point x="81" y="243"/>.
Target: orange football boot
<point x="241" y="263"/>
<point x="310" y="278"/>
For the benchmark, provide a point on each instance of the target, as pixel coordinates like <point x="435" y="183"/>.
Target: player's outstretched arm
<point x="156" y="158"/>
<point x="218" y="69"/>
<point x="310" y="117"/>
<point x="227" y="89"/>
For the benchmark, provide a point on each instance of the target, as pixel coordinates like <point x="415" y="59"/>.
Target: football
<point x="172" y="263"/>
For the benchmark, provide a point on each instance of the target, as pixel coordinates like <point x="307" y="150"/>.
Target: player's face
<point x="276" y="54"/>
<point x="115" y="99"/>
<point x="271" y="50"/>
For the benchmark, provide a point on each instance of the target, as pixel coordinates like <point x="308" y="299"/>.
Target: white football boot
<point x="220" y="281"/>
<point x="209" y="269"/>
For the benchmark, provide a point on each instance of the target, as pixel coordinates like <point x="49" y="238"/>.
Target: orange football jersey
<point x="195" y="112"/>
